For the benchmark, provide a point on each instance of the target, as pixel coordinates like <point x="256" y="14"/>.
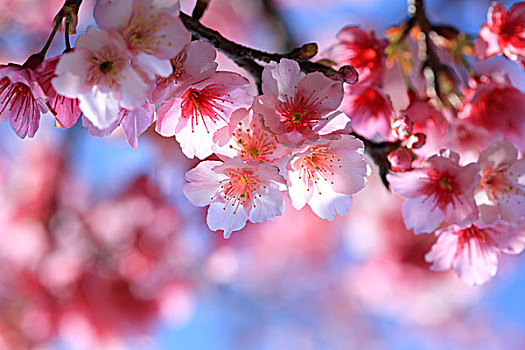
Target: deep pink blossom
<point x="196" y="113"/>
<point x="325" y="176"/>
<point x="65" y="110"/>
<point x="22" y="100"/>
<point x="472" y="250"/>
<point x="488" y="97"/>
<point x="501" y="190"/>
<point x="295" y="106"/>
<point x="504" y="33"/>
<point x="426" y="119"/>
<point x="370" y="110"/>
<point x="236" y="192"/>
<point x="361" y="50"/>
<point x="99" y="73"/>
<point x="441" y="191"/>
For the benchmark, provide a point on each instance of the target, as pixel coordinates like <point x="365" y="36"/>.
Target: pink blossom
<point x="199" y="111"/>
<point x="504" y="33"/>
<point x="151" y="29"/>
<point x="325" y="176"/>
<point x="472" y="251"/>
<point x="370" y="110"/>
<point x="134" y="123"/>
<point x="245" y="138"/>
<point x="501" y="189"/>
<point x="361" y="50"/>
<point x="236" y="192"/>
<point x="489" y="97"/>
<point x="99" y="73"/>
<point x="441" y="191"/>
<point x="65" y="110"/>
<point x="296" y="106"/>
<point x="21" y="99"/>
<point x="200" y="66"/>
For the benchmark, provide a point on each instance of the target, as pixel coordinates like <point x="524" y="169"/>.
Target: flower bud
<point x="416" y="141"/>
<point x="400" y="159"/>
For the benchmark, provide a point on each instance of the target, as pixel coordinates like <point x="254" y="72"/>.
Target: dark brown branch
<point x="200" y="8"/>
<point x="379" y="151"/>
<point x="241" y="54"/>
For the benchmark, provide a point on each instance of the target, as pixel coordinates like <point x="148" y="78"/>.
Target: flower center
<point x="254" y="144"/>
<point x="300" y="113"/>
<point x="239" y="188"/>
<point x="105" y="67"/>
<point x="204" y="105"/>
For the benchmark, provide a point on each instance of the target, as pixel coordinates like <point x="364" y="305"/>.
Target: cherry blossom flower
<point x="245" y="138"/>
<point x="236" y="192"/>
<point x="361" y="50"/>
<point x="503" y="33"/>
<point x="296" y="106"/>
<point x="65" y="110"/>
<point x="99" y="73"/>
<point x="21" y="99"/>
<point x="441" y="191"/>
<point x="325" y="175"/>
<point x="199" y="111"/>
<point x="186" y="71"/>
<point x="472" y="250"/>
<point x="490" y="96"/>
<point x="134" y="123"/>
<point x="151" y="29"/>
<point x="501" y="190"/>
<point x="371" y="112"/>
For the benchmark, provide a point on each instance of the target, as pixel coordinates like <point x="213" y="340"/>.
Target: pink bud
<point x="349" y="74"/>
<point x="416" y="141"/>
<point x="400" y="159"/>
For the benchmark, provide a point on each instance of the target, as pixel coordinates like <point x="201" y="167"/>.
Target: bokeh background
<point x="99" y="248"/>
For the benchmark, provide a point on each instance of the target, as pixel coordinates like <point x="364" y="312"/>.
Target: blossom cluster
<point x="477" y="209"/>
<point x="303" y="134"/>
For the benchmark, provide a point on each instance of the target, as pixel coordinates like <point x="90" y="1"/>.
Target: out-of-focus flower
<point x="99" y="73"/>
<point x="488" y="97"/>
<point x="441" y="191"/>
<point x="21" y="99"/>
<point x="371" y="112"/>
<point x="296" y="106"/>
<point x="236" y="192"/>
<point x="325" y="176"/>
<point x="501" y="190"/>
<point x="472" y="251"/>
<point x="361" y="50"/>
<point x="503" y="33"/>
